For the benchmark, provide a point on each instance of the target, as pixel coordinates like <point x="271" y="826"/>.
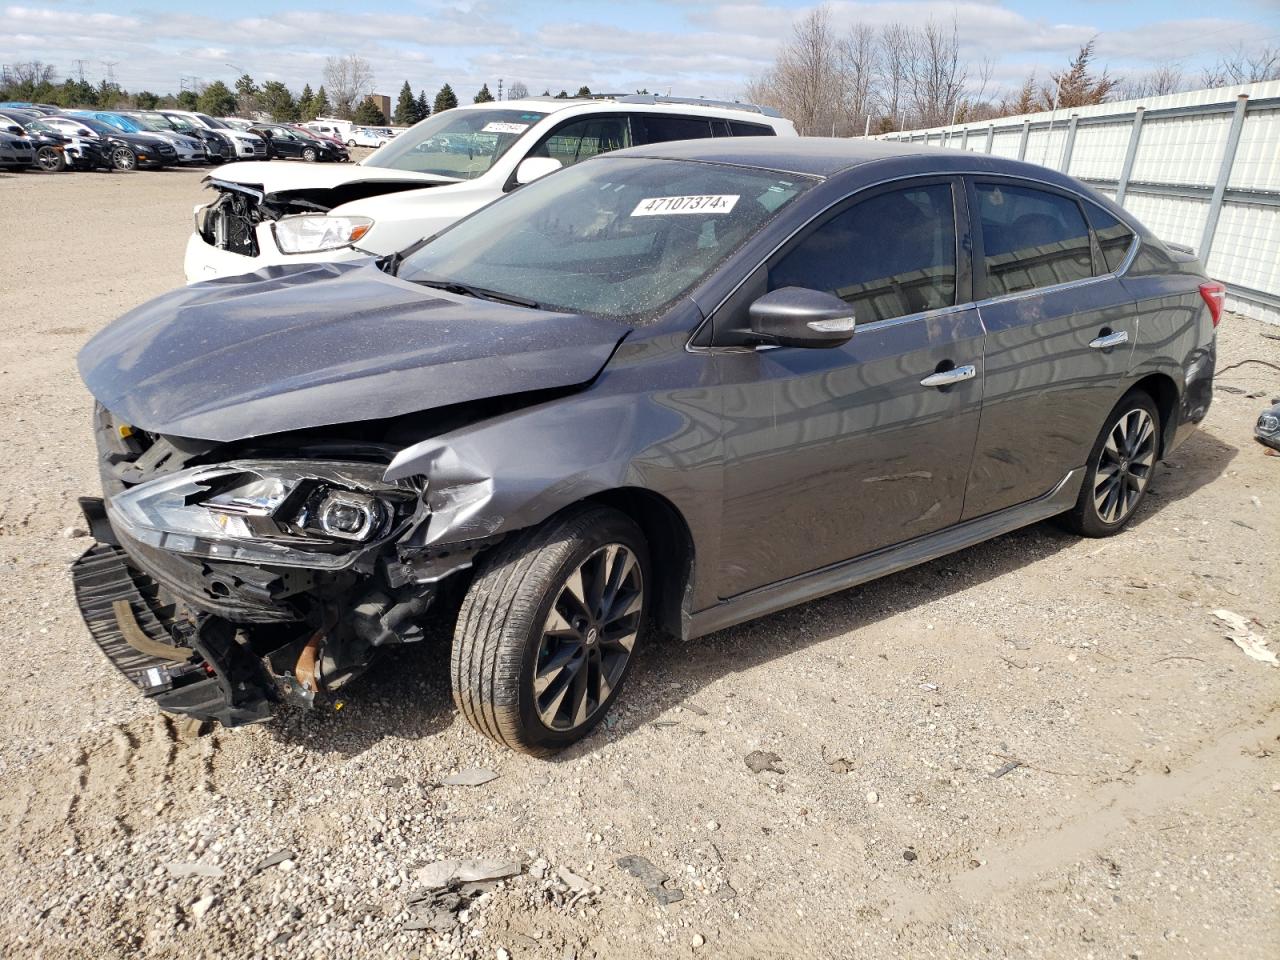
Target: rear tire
<point x="547" y="631"/>
<point x="1121" y="464"/>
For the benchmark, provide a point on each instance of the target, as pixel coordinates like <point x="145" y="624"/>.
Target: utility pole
<point x="79" y="68"/>
<point x="110" y="67"/>
<point x="499" y="88"/>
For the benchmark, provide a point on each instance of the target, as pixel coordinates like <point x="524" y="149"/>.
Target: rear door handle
<point x="945" y="378"/>
<point x="1109" y="340"/>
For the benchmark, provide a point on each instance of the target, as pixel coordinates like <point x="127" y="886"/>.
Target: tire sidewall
<point x="1090" y="518"/>
<point x="310" y="155"/>
<point x="58" y="168"/>
<point x="617" y="529"/>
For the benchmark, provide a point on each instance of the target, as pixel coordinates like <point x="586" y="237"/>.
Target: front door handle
<point x="945" y="378"/>
<point x="1108" y="340"/>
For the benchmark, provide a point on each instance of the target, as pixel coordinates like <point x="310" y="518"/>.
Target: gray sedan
<point x="677" y="386"/>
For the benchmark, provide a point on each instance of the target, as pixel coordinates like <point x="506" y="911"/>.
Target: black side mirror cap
<point x="800" y="317"/>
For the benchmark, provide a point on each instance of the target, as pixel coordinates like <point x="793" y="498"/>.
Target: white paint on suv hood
<point x="275" y="176"/>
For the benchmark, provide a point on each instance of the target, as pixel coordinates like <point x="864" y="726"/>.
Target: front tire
<point x="122" y="158"/>
<point x="50" y="160"/>
<point x="548" y="630"/>
<point x="310" y="155"/>
<point x="1121" y="465"/>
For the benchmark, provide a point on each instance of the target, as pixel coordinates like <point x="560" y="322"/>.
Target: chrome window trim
<point x="690" y="347"/>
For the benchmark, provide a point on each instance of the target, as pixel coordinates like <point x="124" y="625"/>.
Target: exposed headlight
<point x="1268" y="424"/>
<point x="286" y="513"/>
<point x="309" y="233"/>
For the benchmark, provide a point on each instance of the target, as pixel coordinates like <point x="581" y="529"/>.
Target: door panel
<point x="830" y="454"/>
<point x="1059" y="340"/>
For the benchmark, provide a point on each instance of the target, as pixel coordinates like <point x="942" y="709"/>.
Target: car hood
<point x="276" y="177"/>
<point x="290" y="348"/>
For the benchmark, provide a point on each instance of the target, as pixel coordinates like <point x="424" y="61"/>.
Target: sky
<point x="679" y="46"/>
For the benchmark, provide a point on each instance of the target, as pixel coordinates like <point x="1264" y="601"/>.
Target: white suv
<point x="440" y="170"/>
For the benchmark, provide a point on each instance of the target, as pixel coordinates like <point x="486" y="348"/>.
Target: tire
<point x="351" y="143"/>
<point x="49" y="160"/>
<point x="122" y="158"/>
<point x="310" y="155"/>
<point x="1121" y="465"/>
<point x="516" y="619"/>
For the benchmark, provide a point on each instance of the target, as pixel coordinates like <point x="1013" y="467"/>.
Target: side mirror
<point x="532" y="168"/>
<point x="800" y="317"/>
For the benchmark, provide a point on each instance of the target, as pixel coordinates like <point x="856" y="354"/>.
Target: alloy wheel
<point x="123" y="159"/>
<point x="588" y="637"/>
<point x="309" y="155"/>
<point x="1124" y="466"/>
<point x="50" y="160"/>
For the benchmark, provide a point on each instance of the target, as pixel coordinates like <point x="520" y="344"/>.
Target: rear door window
<point x="1031" y="238"/>
<point x="742" y="128"/>
<point x="660" y="128"/>
<point x="580" y="140"/>
<point x="1114" y="237"/>
<point x="891" y="255"/>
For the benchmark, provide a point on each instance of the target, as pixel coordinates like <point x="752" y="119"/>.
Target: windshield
<point x="173" y="123"/>
<point x="614" y="237"/>
<point x="97" y="126"/>
<point x="457" y="143"/>
<point x="210" y="122"/>
<point x="126" y="124"/>
<point x="151" y="123"/>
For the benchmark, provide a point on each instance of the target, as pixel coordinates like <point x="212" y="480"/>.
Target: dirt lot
<point x="1143" y="819"/>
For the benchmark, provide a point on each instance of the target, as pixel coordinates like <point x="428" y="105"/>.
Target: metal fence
<point x="1201" y="169"/>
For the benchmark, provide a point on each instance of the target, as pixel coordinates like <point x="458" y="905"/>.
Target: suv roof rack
<point x="651" y="98"/>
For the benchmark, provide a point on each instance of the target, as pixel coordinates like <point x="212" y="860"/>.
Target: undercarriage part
<point x="380" y="619"/>
<point x="305" y="669"/>
<point x="136" y="638"/>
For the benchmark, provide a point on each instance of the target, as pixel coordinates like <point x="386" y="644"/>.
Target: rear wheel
<point x="1120" y="468"/>
<point x="50" y="160"/>
<point x="351" y="143"/>
<point x="547" y="632"/>
<point x="122" y="158"/>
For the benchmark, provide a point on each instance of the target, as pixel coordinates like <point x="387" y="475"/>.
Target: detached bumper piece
<point x="205" y="674"/>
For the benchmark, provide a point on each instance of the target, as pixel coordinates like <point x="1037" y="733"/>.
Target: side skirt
<point x="871" y="566"/>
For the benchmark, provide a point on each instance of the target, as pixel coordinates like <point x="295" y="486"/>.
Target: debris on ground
<point x="442" y="873"/>
<point x="470" y="778"/>
<point x="837" y="764"/>
<point x="654" y="880"/>
<point x="1253" y="644"/>
<point x="1009" y="767"/>
<point x="183" y="869"/>
<point x="279" y="857"/>
<point x="761" y="760"/>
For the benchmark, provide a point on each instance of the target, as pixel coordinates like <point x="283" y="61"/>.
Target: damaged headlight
<point x="311" y="233"/>
<point x="287" y="513"/>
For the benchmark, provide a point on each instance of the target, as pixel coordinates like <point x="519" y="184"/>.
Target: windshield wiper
<point x="480" y="293"/>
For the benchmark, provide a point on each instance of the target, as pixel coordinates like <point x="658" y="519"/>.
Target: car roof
<point x="638" y="104"/>
<point x="822" y="156"/>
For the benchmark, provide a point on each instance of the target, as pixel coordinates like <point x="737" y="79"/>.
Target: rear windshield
<point x="612" y="237"/>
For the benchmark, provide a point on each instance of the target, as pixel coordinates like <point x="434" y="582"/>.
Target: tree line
<point x="345" y="93"/>
<point x="833" y="82"/>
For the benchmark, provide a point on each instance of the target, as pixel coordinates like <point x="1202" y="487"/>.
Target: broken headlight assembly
<point x="312" y="233"/>
<point x="284" y="513"/>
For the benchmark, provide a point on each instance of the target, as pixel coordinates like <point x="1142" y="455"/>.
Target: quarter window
<point x="583" y="139"/>
<point x="660" y="129"/>
<point x="888" y="256"/>
<point x="1114" y="237"/>
<point x="741" y="128"/>
<point x="1031" y="238"/>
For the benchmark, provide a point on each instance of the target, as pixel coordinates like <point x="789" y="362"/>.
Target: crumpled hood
<point x="311" y="345"/>
<point x="273" y="176"/>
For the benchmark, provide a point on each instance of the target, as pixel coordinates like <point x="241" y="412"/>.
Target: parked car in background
<point x="126" y="151"/>
<point x="218" y="147"/>
<point x="191" y="147"/>
<point x="44" y="109"/>
<point x="692" y="383"/>
<point x="285" y="143"/>
<point x="236" y="123"/>
<point x="338" y="145"/>
<point x="330" y="127"/>
<point x="366" y="137"/>
<point x="56" y="150"/>
<point x="247" y="146"/>
<point x="16" y="151"/>
<point x="444" y="168"/>
<point x="186" y="150"/>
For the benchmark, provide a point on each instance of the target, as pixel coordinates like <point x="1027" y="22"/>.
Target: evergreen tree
<point x="320" y="105"/>
<point x="306" y="100"/>
<point x="189" y="100"/>
<point x="446" y="99"/>
<point x="406" y="113"/>
<point x="247" y="95"/>
<point x="278" y="102"/>
<point x="484" y="96"/>
<point x="369" y="114"/>
<point x="146" y="100"/>
<point x="562" y="95"/>
<point x="1077" y="86"/>
<point x="583" y="91"/>
<point x="217" y="99"/>
<point x="423" y="107"/>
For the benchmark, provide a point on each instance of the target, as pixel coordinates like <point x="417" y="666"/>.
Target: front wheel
<point x="50" y="160"/>
<point x="1121" y="464"/>
<point x="351" y="143"/>
<point x="547" y="632"/>
<point x="310" y="155"/>
<point x="122" y="158"/>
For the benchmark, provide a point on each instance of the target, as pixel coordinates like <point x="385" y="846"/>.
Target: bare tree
<point x="1164" y="79"/>
<point x="1241" y="66"/>
<point x="936" y="75"/>
<point x="32" y="73"/>
<point x="348" y="81"/>
<point x="1077" y="86"/>
<point x="857" y="55"/>
<point x="807" y="74"/>
<point x="517" y="91"/>
<point x="895" y="54"/>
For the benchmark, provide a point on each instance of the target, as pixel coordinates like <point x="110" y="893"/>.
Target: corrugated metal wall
<point x="1201" y="169"/>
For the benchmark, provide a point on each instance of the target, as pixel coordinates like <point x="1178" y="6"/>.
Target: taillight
<point x="1214" y="295"/>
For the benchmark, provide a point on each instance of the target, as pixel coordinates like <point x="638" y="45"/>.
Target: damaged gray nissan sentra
<point x="678" y="386"/>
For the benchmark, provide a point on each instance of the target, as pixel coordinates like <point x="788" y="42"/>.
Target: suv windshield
<point x="212" y="123"/>
<point x="151" y="123"/>
<point x="457" y="143"/>
<point x="612" y="237"/>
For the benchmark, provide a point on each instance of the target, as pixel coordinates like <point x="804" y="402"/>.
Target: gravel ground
<point x="1039" y="747"/>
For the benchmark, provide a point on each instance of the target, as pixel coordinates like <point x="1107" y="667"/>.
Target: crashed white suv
<point x="431" y="175"/>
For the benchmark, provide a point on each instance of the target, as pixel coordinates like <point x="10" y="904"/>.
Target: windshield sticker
<point x="704" y="203"/>
<point x="498" y="126"/>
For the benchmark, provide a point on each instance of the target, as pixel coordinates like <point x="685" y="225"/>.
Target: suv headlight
<point x="310" y="233"/>
<point x="286" y="513"/>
